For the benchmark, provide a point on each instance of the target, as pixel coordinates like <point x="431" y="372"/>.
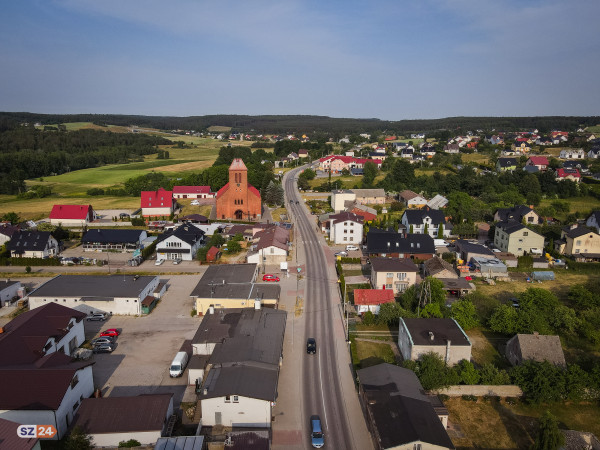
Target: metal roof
<point x="115" y="286"/>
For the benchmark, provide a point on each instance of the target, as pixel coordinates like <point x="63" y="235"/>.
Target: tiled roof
<point x="434" y="331"/>
<point x="79" y="212"/>
<point x="24" y="241"/>
<point x="157" y="199"/>
<point x="417" y="216"/>
<point x="346" y="216"/>
<point x="563" y="173"/>
<point x="238" y="164"/>
<point x="10" y="439"/>
<point x="379" y="241"/>
<point x="373" y="296"/>
<point x="539" y="160"/>
<point x="393" y="265"/>
<point x="539" y="347"/>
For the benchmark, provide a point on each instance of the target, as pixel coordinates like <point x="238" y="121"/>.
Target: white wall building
<point x="346" y="228"/>
<point x="339" y="199"/>
<point x="8" y="290"/>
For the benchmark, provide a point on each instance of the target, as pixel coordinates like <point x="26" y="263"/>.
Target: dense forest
<point x="29" y="153"/>
<point x="309" y="124"/>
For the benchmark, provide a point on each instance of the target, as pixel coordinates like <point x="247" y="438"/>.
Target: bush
<point x="138" y="222"/>
<point x="130" y="443"/>
<point x="368" y="318"/>
<point x="350" y="260"/>
<point x="34" y="262"/>
<point x="193" y="312"/>
<point x="28" y="269"/>
<point x="469" y="398"/>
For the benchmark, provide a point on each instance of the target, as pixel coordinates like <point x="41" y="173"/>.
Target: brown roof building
<point x="238" y="200"/>
<point x="535" y="347"/>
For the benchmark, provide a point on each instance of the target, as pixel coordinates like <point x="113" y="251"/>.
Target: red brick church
<point x="238" y="200"/>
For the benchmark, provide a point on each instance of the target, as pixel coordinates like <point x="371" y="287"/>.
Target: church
<point x="238" y="200"/>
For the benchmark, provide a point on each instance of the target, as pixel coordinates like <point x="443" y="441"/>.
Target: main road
<point x="326" y="378"/>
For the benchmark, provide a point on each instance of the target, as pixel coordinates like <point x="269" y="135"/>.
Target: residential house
<point x="495" y="140"/>
<point x="535" y="347"/>
<point x="370" y="196"/>
<point x="593" y="221"/>
<point x="451" y="148"/>
<point x="518" y="213"/>
<point x="302" y="153"/>
<point x="571" y="164"/>
<point x="412" y="199"/>
<point x="572" y="153"/>
<point x="111" y="420"/>
<point x="271" y="246"/>
<point x="580" y="242"/>
<point x="192" y="192"/>
<point x="340" y="199"/>
<point x="356" y="172"/>
<point x="232" y="286"/>
<point x="72" y="215"/>
<point x="521" y="146"/>
<point x="488" y="267"/>
<point x="438" y="268"/>
<point x="109" y="239"/>
<point x="428" y="149"/>
<point x="540" y="162"/>
<point x="407" y="153"/>
<point x="506" y="164"/>
<point x="182" y="243"/>
<point x="346" y="228"/>
<point x="40" y="384"/>
<point x="437" y="202"/>
<point x="395" y="245"/>
<point x="194" y="218"/>
<point x="377" y="156"/>
<point x="33" y="244"/>
<point x="393" y="274"/>
<point x="371" y="299"/>
<point x="594" y="153"/>
<point x="113" y="294"/>
<point x="545" y="141"/>
<point x="9" y="289"/>
<point x="445" y="337"/>
<point x="157" y="203"/>
<point x="426" y="221"/>
<point x="399" y="413"/>
<point x="6" y="232"/>
<point x="11" y="439"/>
<point x="568" y="174"/>
<point x="513" y="237"/>
<point x="245" y="349"/>
<point x="368" y="214"/>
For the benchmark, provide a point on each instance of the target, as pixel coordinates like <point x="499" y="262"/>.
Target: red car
<point x="112" y="332"/>
<point x="269" y="277"/>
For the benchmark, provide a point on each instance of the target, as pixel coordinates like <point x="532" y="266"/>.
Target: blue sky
<point x="386" y="59"/>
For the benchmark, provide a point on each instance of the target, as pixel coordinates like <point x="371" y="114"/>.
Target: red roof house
<point x="157" y="203"/>
<point x="72" y="215"/>
<point x="568" y="174"/>
<point x="541" y="162"/>
<point x="371" y="299"/>
<point x="192" y="192"/>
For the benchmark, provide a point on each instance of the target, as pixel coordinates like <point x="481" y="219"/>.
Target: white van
<point x="178" y="364"/>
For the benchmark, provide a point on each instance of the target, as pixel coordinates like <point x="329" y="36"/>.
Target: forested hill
<point x="309" y="124"/>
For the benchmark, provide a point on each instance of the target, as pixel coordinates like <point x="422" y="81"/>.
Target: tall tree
<point x="369" y="174"/>
<point x="549" y="436"/>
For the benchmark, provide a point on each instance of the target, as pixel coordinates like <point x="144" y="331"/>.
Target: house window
<point x="75" y="406"/>
<point x="388" y="286"/>
<point x="345" y="239"/>
<point x="389" y="275"/>
<point x="228" y="399"/>
<point x="402" y="276"/>
<point x="578" y="243"/>
<point x="526" y="233"/>
<point x="74" y="381"/>
<point x="236" y="399"/>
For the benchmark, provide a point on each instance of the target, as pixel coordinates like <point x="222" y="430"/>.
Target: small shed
<point x="160" y="289"/>
<point x="213" y="254"/>
<point x="196" y="369"/>
<point x="543" y="276"/>
<point x="149" y="303"/>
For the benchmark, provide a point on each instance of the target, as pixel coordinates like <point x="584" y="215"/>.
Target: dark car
<point x="311" y="346"/>
<point x="104" y="348"/>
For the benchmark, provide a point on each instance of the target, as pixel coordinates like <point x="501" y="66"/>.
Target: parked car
<point x="124" y="216"/>
<point x="97" y="316"/>
<point x="311" y="346"/>
<point x="316" y="436"/>
<point x="104" y="348"/>
<point x="176" y="261"/>
<point x="342" y="254"/>
<point x="159" y="261"/>
<point x="269" y="277"/>
<point x="102" y="340"/>
<point x="112" y="332"/>
<point x="351" y="247"/>
<point x="195" y="203"/>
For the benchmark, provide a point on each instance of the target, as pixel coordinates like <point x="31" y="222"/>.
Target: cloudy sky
<point x="392" y="60"/>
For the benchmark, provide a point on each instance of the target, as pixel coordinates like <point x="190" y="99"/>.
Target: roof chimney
<point x="257" y="305"/>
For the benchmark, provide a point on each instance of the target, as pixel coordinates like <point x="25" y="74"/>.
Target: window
<point x="74" y="381"/>
<point x="389" y="275"/>
<point x="75" y="406"/>
<point x="345" y="239"/>
<point x="388" y="286"/>
<point x="228" y="399"/>
<point x="578" y="243"/>
<point x="402" y="276"/>
<point x="236" y="399"/>
<point x="526" y="233"/>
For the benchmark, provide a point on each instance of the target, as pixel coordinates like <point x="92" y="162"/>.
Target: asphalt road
<point x="326" y="384"/>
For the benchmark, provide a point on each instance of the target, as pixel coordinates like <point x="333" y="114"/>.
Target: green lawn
<point x="583" y="204"/>
<point x="367" y="354"/>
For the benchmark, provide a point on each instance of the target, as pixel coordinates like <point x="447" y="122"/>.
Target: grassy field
<point x="366" y="354"/>
<point x="583" y="204"/>
<point x="485" y="347"/>
<point x="594" y="129"/>
<point x="477" y="158"/>
<point x="501" y="425"/>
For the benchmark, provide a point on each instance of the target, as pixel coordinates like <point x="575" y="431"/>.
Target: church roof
<point x="238" y="164"/>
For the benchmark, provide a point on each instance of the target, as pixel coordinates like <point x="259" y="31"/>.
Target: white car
<point x="351" y="247"/>
<point x="195" y="203"/>
<point x="159" y="262"/>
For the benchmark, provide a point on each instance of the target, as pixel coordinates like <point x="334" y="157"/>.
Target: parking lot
<point x="140" y="362"/>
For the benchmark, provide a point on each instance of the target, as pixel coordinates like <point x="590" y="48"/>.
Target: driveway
<point x="147" y="345"/>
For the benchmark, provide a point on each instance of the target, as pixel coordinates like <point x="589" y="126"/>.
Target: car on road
<point x="159" y="262"/>
<point x="112" y="332"/>
<point x="97" y="316"/>
<point x="297" y="202"/>
<point x="269" y="277"/>
<point x="176" y="261"/>
<point x="103" y="348"/>
<point x="102" y="340"/>
<point x="351" y="247"/>
<point x="316" y="435"/>
<point x="311" y="346"/>
<point x="342" y="253"/>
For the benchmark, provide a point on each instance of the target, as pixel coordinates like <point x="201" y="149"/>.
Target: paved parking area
<point x="147" y="345"/>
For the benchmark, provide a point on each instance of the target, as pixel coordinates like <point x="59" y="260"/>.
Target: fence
<point x="481" y="391"/>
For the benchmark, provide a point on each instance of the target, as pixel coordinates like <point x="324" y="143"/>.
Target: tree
<point x="78" y="440"/>
<point x="467" y="372"/>
<point x="504" y="319"/>
<point x="369" y="174"/>
<point x="11" y="217"/>
<point x="390" y="313"/>
<point x="426" y="230"/>
<point x="234" y="247"/>
<point x="463" y="311"/>
<point x="433" y="372"/>
<point x="548" y="436"/>
<point x="440" y="233"/>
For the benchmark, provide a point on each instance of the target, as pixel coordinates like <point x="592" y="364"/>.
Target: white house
<point x="72" y="215"/>
<point x="346" y="228"/>
<point x="32" y="244"/>
<point x="114" y="294"/>
<point x="110" y="420"/>
<point x="157" y="203"/>
<point x="182" y="243"/>
<point x="193" y="192"/>
<point x="271" y="246"/>
<point x="593" y="221"/>
<point x="6" y="232"/>
<point x="412" y="199"/>
<point x="572" y="153"/>
<point x="339" y="199"/>
<point x="8" y="290"/>
<point x="426" y="221"/>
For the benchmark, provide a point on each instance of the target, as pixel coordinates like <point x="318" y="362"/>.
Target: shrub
<point x="368" y="318"/>
<point x="28" y="269"/>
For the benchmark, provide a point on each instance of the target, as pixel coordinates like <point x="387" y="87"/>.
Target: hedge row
<point x="29" y="262"/>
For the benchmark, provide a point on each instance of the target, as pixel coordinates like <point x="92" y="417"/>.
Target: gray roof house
<point x="399" y="414"/>
<point x="535" y="347"/>
<point x="419" y="219"/>
<point x="245" y="348"/>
